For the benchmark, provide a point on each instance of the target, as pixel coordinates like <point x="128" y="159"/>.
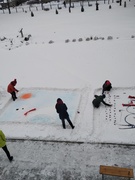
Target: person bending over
<point x="98" y="100"/>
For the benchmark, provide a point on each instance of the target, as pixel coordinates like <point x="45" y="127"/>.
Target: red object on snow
<point x="132" y="97"/>
<point x="130" y="104"/>
<point x="29" y="111"/>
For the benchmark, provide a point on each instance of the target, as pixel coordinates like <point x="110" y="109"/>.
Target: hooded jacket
<point x="11" y="87"/>
<point x="2" y="139"/>
<point x="61" y="109"/>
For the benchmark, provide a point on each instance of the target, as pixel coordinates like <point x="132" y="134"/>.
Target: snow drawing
<point x="35" y="107"/>
<point x="116" y="118"/>
<point x="42" y="100"/>
<point x="129" y="118"/>
<point x="119" y="114"/>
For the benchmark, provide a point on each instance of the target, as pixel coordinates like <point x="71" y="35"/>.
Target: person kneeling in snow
<point x="12" y="90"/>
<point x="106" y="86"/>
<point x="3" y="145"/>
<point x="61" y="109"/>
<point x="98" y="99"/>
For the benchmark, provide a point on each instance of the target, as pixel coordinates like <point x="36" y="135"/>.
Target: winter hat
<point x="59" y="100"/>
<point x="107" y="82"/>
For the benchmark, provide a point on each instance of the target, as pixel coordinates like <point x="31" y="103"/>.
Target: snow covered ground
<point x="39" y="160"/>
<point x="68" y="56"/>
<point x="69" y="70"/>
<point x="108" y="124"/>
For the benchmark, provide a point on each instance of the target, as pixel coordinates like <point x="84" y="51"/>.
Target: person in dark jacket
<point x="12" y="90"/>
<point x="98" y="100"/>
<point x="61" y="109"/>
<point x="106" y="86"/>
<point x="3" y="145"/>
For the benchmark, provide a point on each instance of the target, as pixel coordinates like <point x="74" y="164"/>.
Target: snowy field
<point x="68" y="56"/>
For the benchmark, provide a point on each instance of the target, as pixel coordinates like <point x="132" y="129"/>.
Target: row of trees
<point x="14" y="3"/>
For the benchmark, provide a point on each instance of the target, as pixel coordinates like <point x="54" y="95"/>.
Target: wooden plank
<point x="116" y="171"/>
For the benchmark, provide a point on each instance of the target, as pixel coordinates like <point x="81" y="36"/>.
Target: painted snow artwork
<point x="34" y="110"/>
<point x="43" y="102"/>
<point x="68" y="56"/>
<point x="117" y="120"/>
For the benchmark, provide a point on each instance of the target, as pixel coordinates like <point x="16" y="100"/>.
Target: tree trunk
<point x="8" y="5"/>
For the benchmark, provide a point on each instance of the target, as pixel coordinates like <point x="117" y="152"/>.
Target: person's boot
<point x="11" y="158"/>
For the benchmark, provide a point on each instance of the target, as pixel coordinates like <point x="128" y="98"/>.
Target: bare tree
<point x="120" y="2"/>
<point x="8" y="6"/>
<point x="70" y="3"/>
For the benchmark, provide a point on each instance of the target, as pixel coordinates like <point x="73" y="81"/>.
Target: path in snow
<point x="40" y="160"/>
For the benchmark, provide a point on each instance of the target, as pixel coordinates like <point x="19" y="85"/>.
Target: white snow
<point x="73" y="71"/>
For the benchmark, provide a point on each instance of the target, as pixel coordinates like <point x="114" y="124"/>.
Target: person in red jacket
<point x="61" y="109"/>
<point x="3" y="145"/>
<point x="12" y="90"/>
<point x="106" y="86"/>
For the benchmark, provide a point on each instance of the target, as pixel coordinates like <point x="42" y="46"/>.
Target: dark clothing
<point x="106" y="86"/>
<point x="98" y="99"/>
<point x="3" y="145"/>
<point x="7" y="152"/>
<point x="13" y="94"/>
<point x="61" y="109"/>
<point x="69" y="121"/>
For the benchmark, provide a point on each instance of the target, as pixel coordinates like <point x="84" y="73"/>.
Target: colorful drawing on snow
<point x="117" y="123"/>
<point x="43" y="101"/>
<point x="122" y="113"/>
<point x="26" y="96"/>
<point x="34" y="109"/>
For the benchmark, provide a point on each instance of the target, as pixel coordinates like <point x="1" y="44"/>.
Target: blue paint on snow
<point x="44" y="101"/>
